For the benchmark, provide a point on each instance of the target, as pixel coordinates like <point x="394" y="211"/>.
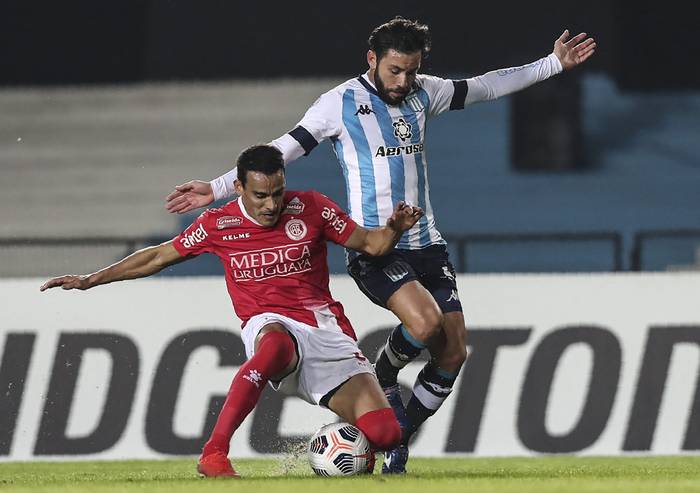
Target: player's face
<point x="262" y="196"/>
<point x="394" y="74"/>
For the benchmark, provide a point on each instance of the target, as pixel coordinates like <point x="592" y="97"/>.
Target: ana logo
<point x="364" y="109"/>
<point x="295" y="229"/>
<point x="402" y="129"/>
<point x="228" y="222"/>
<point x="294" y="206"/>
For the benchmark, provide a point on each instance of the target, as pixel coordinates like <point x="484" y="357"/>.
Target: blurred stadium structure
<point x="85" y="168"/>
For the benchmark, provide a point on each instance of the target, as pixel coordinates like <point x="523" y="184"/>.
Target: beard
<point x="384" y="93"/>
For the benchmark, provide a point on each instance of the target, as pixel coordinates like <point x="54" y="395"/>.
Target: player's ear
<point x="372" y="59"/>
<point x="238" y="186"/>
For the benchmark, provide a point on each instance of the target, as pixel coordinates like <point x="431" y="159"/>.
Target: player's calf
<point x="381" y="428"/>
<point x="433" y="385"/>
<point x="401" y="348"/>
<point x="274" y="354"/>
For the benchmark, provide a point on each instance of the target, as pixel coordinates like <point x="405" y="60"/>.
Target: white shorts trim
<point x="327" y="356"/>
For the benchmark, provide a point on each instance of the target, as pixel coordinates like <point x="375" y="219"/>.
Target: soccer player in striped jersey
<point x="376" y="123"/>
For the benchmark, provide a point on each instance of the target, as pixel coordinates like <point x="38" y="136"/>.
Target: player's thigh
<point x="380" y="277"/>
<point x="278" y="327"/>
<point x="417" y="310"/>
<point x="358" y="395"/>
<point x="391" y="282"/>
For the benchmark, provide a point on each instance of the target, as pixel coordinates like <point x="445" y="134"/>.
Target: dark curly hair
<point x="402" y="35"/>
<point x="264" y="158"/>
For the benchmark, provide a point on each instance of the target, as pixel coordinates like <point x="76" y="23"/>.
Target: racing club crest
<point x="402" y="129"/>
<point x="295" y="229"/>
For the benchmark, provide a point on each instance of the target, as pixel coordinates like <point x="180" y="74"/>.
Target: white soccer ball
<point x="340" y="449"/>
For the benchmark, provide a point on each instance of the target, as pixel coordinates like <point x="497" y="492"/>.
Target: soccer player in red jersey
<point x="272" y="244"/>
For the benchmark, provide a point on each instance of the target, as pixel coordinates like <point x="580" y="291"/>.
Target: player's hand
<point x="575" y="51"/>
<point x="404" y="217"/>
<point x="189" y="196"/>
<point x="67" y="282"/>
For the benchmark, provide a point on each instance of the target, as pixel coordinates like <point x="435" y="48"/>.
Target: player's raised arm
<point x="320" y="122"/>
<point x="567" y="54"/>
<point x="142" y="263"/>
<point x="380" y="241"/>
<point x="197" y="193"/>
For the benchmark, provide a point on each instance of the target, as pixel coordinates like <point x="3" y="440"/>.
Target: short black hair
<point x="264" y="158"/>
<point x="402" y="35"/>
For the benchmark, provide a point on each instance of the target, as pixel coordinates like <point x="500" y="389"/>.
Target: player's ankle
<point x="215" y="444"/>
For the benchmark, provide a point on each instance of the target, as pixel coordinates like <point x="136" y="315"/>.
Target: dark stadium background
<point x="613" y="189"/>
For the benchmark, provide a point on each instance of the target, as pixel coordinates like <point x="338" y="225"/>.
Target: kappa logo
<point x="402" y="129"/>
<point x="228" y="222"/>
<point x="296" y="229"/>
<point x="294" y="206"/>
<point x="453" y="296"/>
<point x="254" y="376"/>
<point x="363" y="109"/>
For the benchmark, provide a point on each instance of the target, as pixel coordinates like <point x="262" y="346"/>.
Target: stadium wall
<point x="588" y="364"/>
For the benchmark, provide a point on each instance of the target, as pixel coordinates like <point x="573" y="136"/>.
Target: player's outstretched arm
<point x="567" y="54"/>
<point x="380" y="241"/>
<point x="142" y="263"/>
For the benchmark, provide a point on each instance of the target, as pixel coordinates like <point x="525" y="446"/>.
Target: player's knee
<point x="381" y="428"/>
<point x="280" y="346"/>
<point x="426" y="325"/>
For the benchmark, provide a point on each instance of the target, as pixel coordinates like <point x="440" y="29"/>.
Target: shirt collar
<point x="245" y="212"/>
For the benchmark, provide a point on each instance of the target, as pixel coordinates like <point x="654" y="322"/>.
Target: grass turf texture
<point x="545" y="474"/>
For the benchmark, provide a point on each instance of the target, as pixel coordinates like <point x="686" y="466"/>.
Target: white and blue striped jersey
<point x="380" y="147"/>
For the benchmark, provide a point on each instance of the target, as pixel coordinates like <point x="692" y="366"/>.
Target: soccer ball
<point x="340" y="449"/>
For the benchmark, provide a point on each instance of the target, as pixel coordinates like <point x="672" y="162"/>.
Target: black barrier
<point x="13" y="372"/>
<point x="651" y="384"/>
<point x="52" y="439"/>
<point x="600" y="395"/>
<point x="160" y="434"/>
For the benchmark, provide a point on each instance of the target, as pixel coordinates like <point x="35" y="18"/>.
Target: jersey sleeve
<point x="321" y="121"/>
<point x="336" y="223"/>
<point x="505" y="81"/>
<point x="196" y="238"/>
<point x="443" y="94"/>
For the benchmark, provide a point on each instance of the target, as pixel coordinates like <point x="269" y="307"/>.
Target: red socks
<point x="275" y="352"/>
<point x="381" y="428"/>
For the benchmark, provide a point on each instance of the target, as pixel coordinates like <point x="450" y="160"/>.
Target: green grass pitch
<point x="290" y="475"/>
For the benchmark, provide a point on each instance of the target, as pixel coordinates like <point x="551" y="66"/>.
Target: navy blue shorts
<point x="380" y="277"/>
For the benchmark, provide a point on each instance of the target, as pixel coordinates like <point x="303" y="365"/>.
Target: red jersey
<point x="280" y="269"/>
